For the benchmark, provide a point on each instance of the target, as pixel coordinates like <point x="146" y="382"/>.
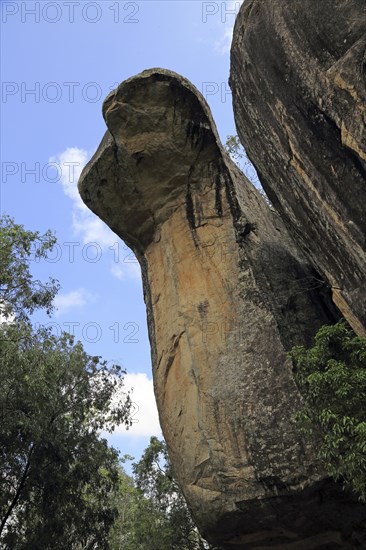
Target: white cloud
<point x="91" y="229"/>
<point x="87" y="225"/>
<point x="71" y="163"/>
<point x="122" y="271"/>
<point x="223" y="45"/>
<point x="229" y="9"/>
<point x="73" y="299"/>
<point x="6" y="316"/>
<point x="144" y="414"/>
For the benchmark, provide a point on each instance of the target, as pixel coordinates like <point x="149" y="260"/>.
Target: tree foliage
<point x="332" y="377"/>
<point x="157" y="516"/>
<point x="20" y="294"/>
<point x="237" y="153"/>
<point x="235" y="149"/>
<point x="57" y="476"/>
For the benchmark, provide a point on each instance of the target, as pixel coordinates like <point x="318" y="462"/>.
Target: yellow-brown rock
<point x="227" y="296"/>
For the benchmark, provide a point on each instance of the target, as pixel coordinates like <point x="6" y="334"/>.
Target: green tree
<point x="126" y="501"/>
<point x="332" y="377"/>
<point x="235" y="149"/>
<point x="157" y="515"/>
<point x="20" y="294"/>
<point x="57" y="476"/>
<point x="237" y="153"/>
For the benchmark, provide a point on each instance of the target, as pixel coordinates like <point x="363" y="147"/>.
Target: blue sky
<point x="59" y="60"/>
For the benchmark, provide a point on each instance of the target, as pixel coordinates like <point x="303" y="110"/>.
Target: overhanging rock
<point x="298" y="77"/>
<point x="227" y="296"/>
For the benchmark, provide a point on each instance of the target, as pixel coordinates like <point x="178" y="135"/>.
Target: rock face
<point x="227" y="296"/>
<point x="298" y="77"/>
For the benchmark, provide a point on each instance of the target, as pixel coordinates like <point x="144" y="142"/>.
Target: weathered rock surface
<point x="227" y="296"/>
<point x="298" y="77"/>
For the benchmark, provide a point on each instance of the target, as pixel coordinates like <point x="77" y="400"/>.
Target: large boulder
<point x="227" y="296"/>
<point x="298" y="77"/>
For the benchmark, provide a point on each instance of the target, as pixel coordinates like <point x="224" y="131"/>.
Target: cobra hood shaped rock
<point x="227" y="296"/>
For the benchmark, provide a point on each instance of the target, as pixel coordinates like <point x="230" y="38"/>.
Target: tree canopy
<point x="332" y="377"/>
<point x="57" y="475"/>
<point x="155" y="514"/>
<point x="20" y="293"/>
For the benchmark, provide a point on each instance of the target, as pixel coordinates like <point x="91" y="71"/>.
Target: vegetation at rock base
<point x="332" y="377"/>
<point x="153" y="511"/>
<point x="56" y="474"/>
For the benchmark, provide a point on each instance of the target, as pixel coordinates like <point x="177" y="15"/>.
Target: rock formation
<point x="227" y="295"/>
<point x="298" y="77"/>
